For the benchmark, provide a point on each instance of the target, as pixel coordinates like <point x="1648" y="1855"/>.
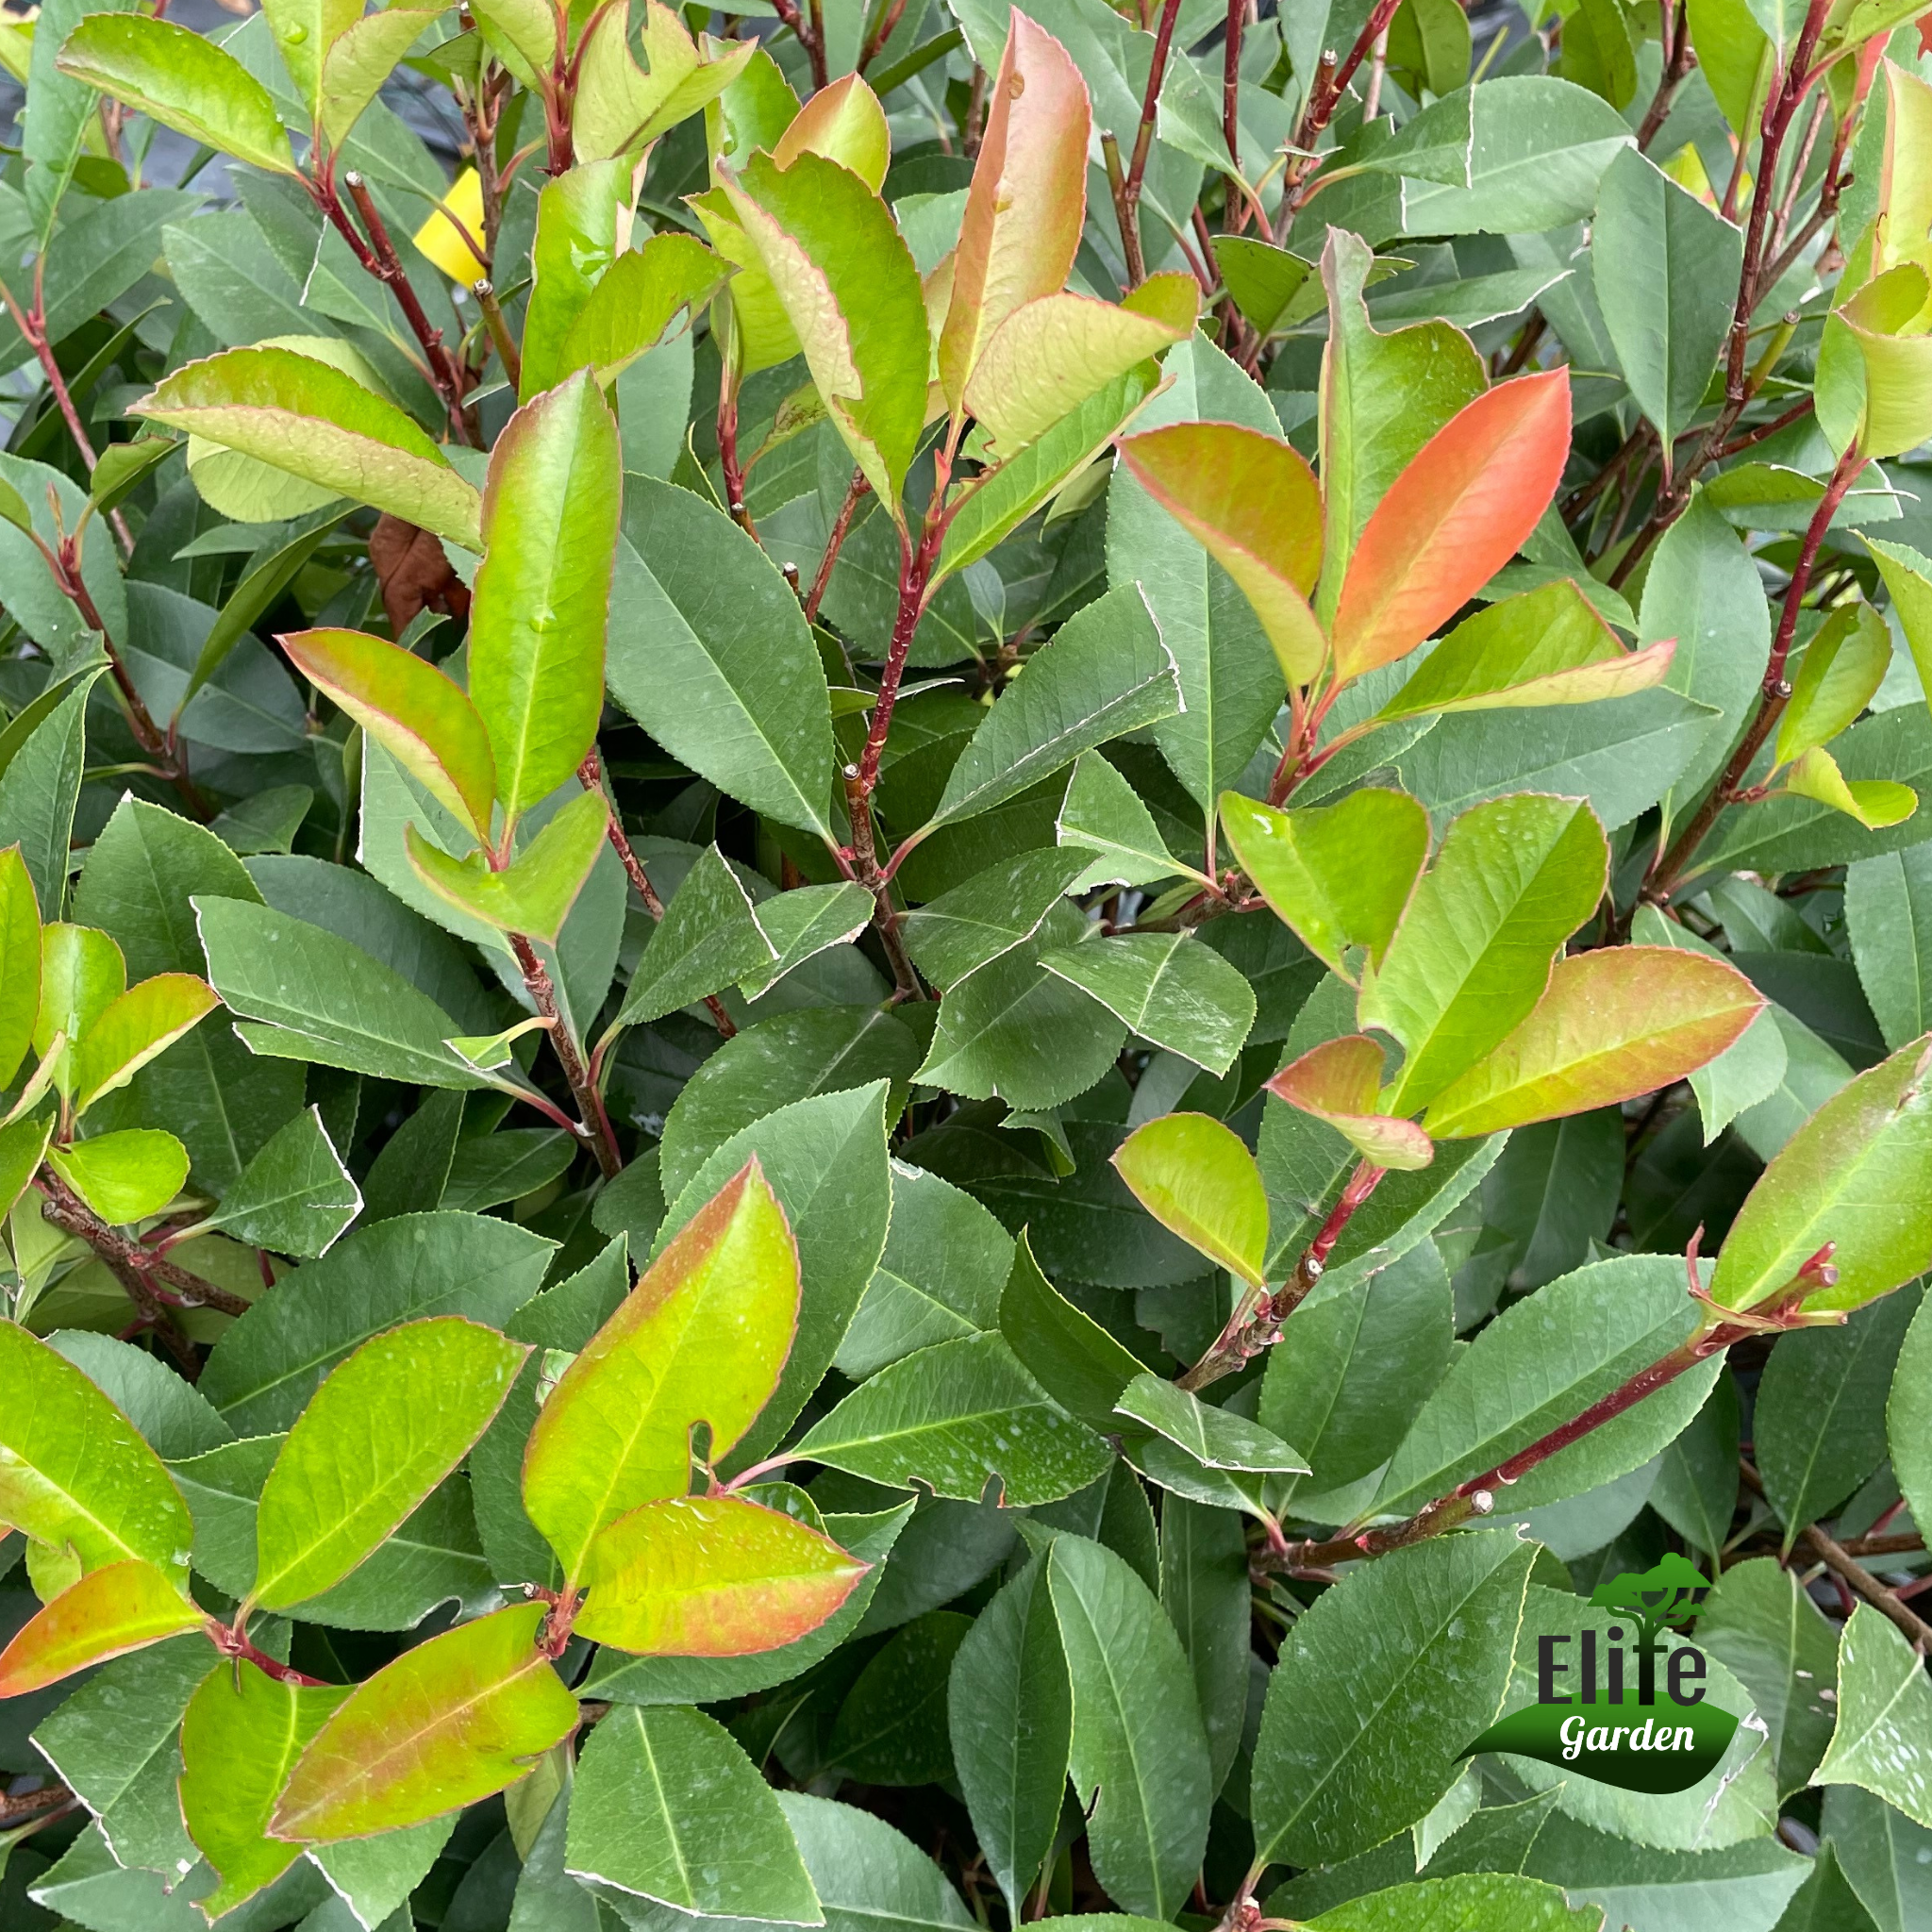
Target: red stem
<point x="840" y="527"/>
<point x="596" y="1126"/>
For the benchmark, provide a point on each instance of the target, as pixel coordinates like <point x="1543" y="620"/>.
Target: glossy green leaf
<point x="20" y="961"/>
<point x="1854" y="1174"/>
<point x="1469" y="1902"/>
<point x="710" y="1577"/>
<point x="82" y="973"/>
<point x="106" y="1614"/>
<point x="1169" y="989"/>
<point x="1842" y="666"/>
<point x="634" y="303"/>
<point x="1140" y="1755"/>
<point x="124" y="1176"/>
<point x="1612" y="1024"/>
<point x="725" y="1291"/>
<point x="575" y="246"/>
<point x="1884" y="1709"/>
<point x="1875" y="803"/>
<point x="361" y="59"/>
<point x="311" y="420"/>
<point x="710" y="1838"/>
<point x="708" y="938"/>
<point x="549" y="525"/>
<point x="1907" y="1411"/>
<point x="1309" y="865"/>
<point x="1195" y="1177"/>
<point x="1103" y="813"/>
<point x="451" y="1722"/>
<point x="417" y="713"/>
<point x="184" y="82"/>
<point x="620" y="107"/>
<point x="989" y="913"/>
<point x="370" y="1446"/>
<point x="1105" y="672"/>
<point x="241" y="1735"/>
<point x="955" y="1418"/>
<point x="534" y="893"/>
<point x="1473" y="955"/>
<point x="1217" y="1437"/>
<point x="1414" y="1636"/>
<point x="1547" y="646"/>
<point x="295" y="1196"/>
<point x="132" y="1029"/>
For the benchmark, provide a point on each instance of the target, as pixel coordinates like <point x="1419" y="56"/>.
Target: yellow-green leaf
<point x="1196" y="1177"/>
<point x="1875" y="803"/>
<point x="144" y="1022"/>
<point x="1253" y="504"/>
<point x="82" y="973"/>
<point x="20" y="962"/>
<point x="361" y="59"/>
<point x="534" y="893"/>
<point x="419" y="713"/>
<point x="385" y="1428"/>
<point x="1337" y="875"/>
<point x="1842" y="666"/>
<point x="1338" y="1082"/>
<point x="182" y="80"/>
<point x="1887" y="322"/>
<point x="711" y="1577"/>
<point x="582" y="218"/>
<point x="451" y="1722"/>
<point x="620" y="109"/>
<point x="629" y="310"/>
<point x="1614" y="1023"/>
<point x="313" y="421"/>
<point x="108" y="1613"/>
<point x="542" y="593"/>
<point x="845" y="124"/>
<point x="701" y="1338"/>
<point x="124" y="1176"/>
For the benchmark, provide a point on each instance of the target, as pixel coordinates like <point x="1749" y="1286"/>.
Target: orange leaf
<point x="449" y="1721"/>
<point x="1338" y="1082"/>
<point x="1252" y="503"/>
<point x="108" y="1613"/>
<point x="1452" y="519"/>
<point x="1028" y="201"/>
<point x="1613" y="1024"/>
<point x="711" y="1577"/>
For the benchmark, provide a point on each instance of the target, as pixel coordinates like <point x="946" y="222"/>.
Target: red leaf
<point x="108" y="1613"/>
<point x="1452" y="519"/>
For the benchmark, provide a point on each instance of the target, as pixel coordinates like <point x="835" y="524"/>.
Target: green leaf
<point x="304" y="32"/>
<point x="890" y="1729"/>
<point x="1338" y="1083"/>
<point x="1104" y="813"/>
<point x="1884" y="1717"/>
<point x="1759" y="1622"/>
<point x="1612" y="1024"/>
<point x="1217" y="1437"/>
<point x="1140" y="1755"/>
<point x="451" y="1722"/>
<point x="989" y="913"/>
<point x="361" y="59"/>
<point x="1843" y="667"/>
<point x="1547" y="646"/>
<point x="1010" y="1717"/>
<point x="124" y="1176"/>
<point x="1415" y="1635"/>
<point x="1906" y="1412"/>
<point x="1876" y="804"/>
<point x="295" y="1196"/>
<point x="711" y="1577"/>
<point x="635" y="301"/>
<point x="711" y="654"/>
<point x="707" y="1835"/>
<point x="618" y="108"/>
<point x="373" y="1876"/>
<point x="132" y="1029"/>
<point x="1261" y="278"/>
<point x="708" y="938"/>
<point x="535" y="892"/>
<point x="419" y="713"/>
<point x="370" y="1446"/>
<point x="1196" y="1177"/>
<point x="1470" y="1901"/>
<point x="1309" y="865"/>
<point x="549" y="526"/>
<point x="575" y="244"/>
<point x="1665" y="270"/>
<point x="1539" y="1364"/>
<point x="106" y="1614"/>
<point x="39" y="790"/>
<point x="20" y="961"/>
<point x="1888" y="913"/>
<point x="1105" y="672"/>
<point x="181" y="79"/>
<point x="262" y="1372"/>
<point x="1513" y="879"/>
<point x="1818" y="1425"/>
<point x="726" y="1289"/>
<point x="1077" y="1362"/>
<point x="1169" y="989"/>
<point x="848" y="287"/>
<point x="313" y="421"/>
<point x="242" y="1733"/>
<point x="953" y="1418"/>
<point x="1854" y="1174"/>
<point x="322" y="999"/>
<point x="76" y="1476"/>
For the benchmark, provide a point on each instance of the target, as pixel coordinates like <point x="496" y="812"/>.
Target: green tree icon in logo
<point x="1670" y="1594"/>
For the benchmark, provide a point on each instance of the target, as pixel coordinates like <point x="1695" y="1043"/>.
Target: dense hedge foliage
<point x="929" y="974"/>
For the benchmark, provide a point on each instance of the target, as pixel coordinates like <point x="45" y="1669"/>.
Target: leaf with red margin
<point x="1338" y="1082"/>
<point x="1613" y="1024"/>
<point x="108" y="1613"/>
<point x="450" y="1722"/>
<point x="1252" y="503"/>
<point x="711" y="1577"/>
<point x="1452" y="519"/>
<point x="419" y="714"/>
<point x="701" y="1338"/>
<point x="1196" y="1177"/>
<point x="1021" y="230"/>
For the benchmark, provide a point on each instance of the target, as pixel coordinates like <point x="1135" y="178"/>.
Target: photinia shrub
<point x="964" y="965"/>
